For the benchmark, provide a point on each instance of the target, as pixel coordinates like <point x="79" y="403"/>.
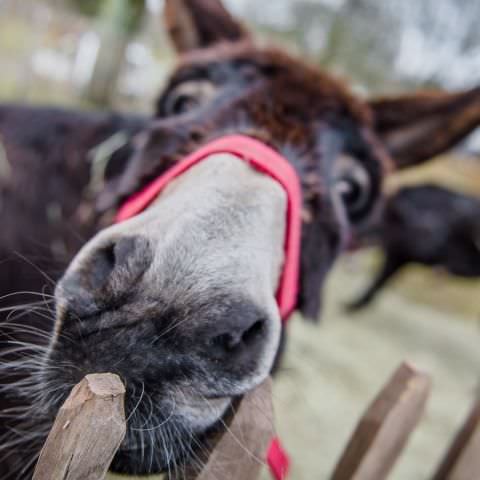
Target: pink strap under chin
<point x="278" y="460"/>
<point x="264" y="159"/>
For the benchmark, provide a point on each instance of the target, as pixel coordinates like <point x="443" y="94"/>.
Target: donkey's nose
<point x="238" y="334"/>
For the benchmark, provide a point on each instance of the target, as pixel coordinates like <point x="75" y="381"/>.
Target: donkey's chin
<point x="173" y="441"/>
<point x="177" y="435"/>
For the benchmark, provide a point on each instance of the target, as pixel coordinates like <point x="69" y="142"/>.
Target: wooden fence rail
<point x="91" y="425"/>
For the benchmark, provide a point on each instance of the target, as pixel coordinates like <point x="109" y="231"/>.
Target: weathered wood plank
<point x="240" y="452"/>
<point x="383" y="431"/>
<point x="462" y="460"/>
<point x="87" y="432"/>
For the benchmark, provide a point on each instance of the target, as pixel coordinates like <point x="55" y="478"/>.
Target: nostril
<point x="253" y="332"/>
<point x="225" y="341"/>
<point x="105" y="275"/>
<point x="102" y="265"/>
<point x="233" y="341"/>
<point x="113" y="255"/>
<point x="109" y="255"/>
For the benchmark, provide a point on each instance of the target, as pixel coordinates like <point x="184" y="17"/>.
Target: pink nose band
<point x="268" y="161"/>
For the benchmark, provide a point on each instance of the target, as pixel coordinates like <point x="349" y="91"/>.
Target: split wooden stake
<point x="87" y="432"/>
<point x="383" y="431"/>
<point x="240" y="452"/>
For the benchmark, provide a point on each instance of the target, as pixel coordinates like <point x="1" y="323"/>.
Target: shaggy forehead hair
<point x="274" y="64"/>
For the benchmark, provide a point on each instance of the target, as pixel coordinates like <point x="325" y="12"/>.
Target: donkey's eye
<point x="182" y="104"/>
<point x="188" y="96"/>
<point x="353" y="184"/>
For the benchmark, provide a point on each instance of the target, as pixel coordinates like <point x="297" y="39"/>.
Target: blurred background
<point x="113" y="54"/>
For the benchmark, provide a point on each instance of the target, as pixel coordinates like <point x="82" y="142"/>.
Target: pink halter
<point x="268" y="161"/>
<point x="264" y="159"/>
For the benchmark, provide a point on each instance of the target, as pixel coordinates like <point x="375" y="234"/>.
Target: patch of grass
<point x="424" y="286"/>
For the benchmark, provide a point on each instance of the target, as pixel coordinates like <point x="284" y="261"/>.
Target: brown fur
<point x="45" y="213"/>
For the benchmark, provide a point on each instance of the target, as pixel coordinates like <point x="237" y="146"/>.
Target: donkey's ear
<point x="417" y="127"/>
<point x="194" y="24"/>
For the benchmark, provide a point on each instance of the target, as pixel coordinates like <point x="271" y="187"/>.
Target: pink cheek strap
<point x="268" y="161"/>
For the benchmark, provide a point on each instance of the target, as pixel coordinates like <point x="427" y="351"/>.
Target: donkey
<point x="179" y="299"/>
<point x="428" y="225"/>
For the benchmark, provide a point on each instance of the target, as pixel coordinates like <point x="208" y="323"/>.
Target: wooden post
<point x="462" y="461"/>
<point x="240" y="453"/>
<point x="383" y="431"/>
<point x="87" y="432"/>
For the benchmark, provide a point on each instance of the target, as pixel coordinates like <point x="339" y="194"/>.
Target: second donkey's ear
<point x="417" y="127"/>
<point x="194" y="24"/>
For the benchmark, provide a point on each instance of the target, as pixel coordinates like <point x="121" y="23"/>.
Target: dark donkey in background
<point x="180" y="300"/>
<point x="428" y="225"/>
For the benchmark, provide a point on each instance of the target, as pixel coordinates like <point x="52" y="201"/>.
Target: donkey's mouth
<point x="158" y="442"/>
